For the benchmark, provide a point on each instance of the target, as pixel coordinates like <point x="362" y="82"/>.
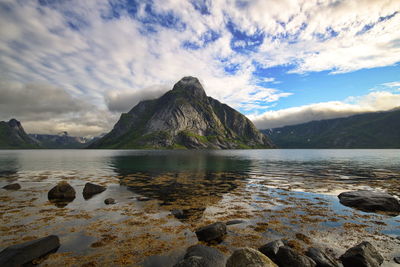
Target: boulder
<point x="63" y="191"/>
<point x="321" y="258"/>
<point x="370" y="201"/>
<point x="362" y="255"/>
<point x="248" y="257"/>
<point x="212" y="232"/>
<point x="15" y="186"/>
<point x="202" y="256"/>
<point x="288" y="257"/>
<point x="92" y="189"/>
<point x="396" y="260"/>
<point x="271" y="249"/>
<point x="109" y="201"/>
<point x="25" y="253"/>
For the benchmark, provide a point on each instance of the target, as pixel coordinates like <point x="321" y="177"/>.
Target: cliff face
<point x="12" y="135"/>
<point x="183" y="118"/>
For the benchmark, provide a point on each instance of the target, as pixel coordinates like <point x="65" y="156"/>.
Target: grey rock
<point x="321" y="258"/>
<point x="15" y="186"/>
<point x="25" y="253"/>
<point x="109" y="201"/>
<point x="362" y="255"/>
<point x="63" y="191"/>
<point x="396" y="260"/>
<point x="271" y="249"/>
<point x="232" y="222"/>
<point x="212" y="232"/>
<point x="288" y="257"/>
<point x="202" y="256"/>
<point x="179" y="214"/>
<point x="248" y="257"/>
<point x="366" y="200"/>
<point x="91" y="189"/>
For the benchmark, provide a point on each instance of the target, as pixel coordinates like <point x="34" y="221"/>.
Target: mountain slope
<point x="184" y="117"/>
<point x="12" y="136"/>
<point x="60" y="141"/>
<point x="370" y="130"/>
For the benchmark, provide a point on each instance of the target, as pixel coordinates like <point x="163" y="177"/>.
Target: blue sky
<point x="76" y="65"/>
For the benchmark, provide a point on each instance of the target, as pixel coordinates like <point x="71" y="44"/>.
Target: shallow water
<point x="278" y="194"/>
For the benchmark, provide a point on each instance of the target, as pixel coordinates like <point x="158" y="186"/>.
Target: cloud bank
<point x="375" y="101"/>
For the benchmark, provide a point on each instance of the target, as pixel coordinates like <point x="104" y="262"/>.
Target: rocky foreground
<point x="280" y="252"/>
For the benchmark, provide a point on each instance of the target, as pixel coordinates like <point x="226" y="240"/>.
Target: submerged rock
<point x="362" y="255"/>
<point x="212" y="232"/>
<point x="321" y="258"/>
<point x="92" y="189"/>
<point x="271" y="249"/>
<point x="248" y="257"/>
<point x="179" y="214"/>
<point x="232" y="222"/>
<point x="396" y="260"/>
<point x="143" y="198"/>
<point x="25" y="253"/>
<point x="366" y="200"/>
<point x="15" y="186"/>
<point x="63" y="192"/>
<point x="109" y="201"/>
<point x="288" y="257"/>
<point x="202" y="256"/>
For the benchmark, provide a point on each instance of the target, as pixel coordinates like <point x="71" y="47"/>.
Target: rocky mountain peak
<point x="13" y="123"/>
<point x="190" y="86"/>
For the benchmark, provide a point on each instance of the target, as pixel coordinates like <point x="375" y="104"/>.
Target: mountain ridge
<point x="367" y="130"/>
<point x="184" y="117"/>
<point x="13" y="136"/>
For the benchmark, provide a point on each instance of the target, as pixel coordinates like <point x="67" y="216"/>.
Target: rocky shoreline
<point x="280" y="252"/>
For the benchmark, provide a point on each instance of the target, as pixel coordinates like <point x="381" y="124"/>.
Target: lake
<point x="280" y="193"/>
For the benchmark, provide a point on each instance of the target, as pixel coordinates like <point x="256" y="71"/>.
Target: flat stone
<point x="91" y="189"/>
<point x="248" y="257"/>
<point x="109" y="201"/>
<point x="271" y="249"/>
<point x="212" y="232"/>
<point x="362" y="255"/>
<point x="25" y="253"/>
<point x="321" y="258"/>
<point x="15" y="186"/>
<point x="202" y="256"/>
<point x="288" y="257"/>
<point x="370" y="201"/>
<point x="232" y="222"/>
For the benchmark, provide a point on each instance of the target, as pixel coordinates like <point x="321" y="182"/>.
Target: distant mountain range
<point x="369" y="130"/>
<point x="13" y="136"/>
<point x="184" y="117"/>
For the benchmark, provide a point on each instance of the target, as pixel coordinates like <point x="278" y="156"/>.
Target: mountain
<point x="12" y="135"/>
<point x="184" y="117"/>
<point x="60" y="141"/>
<point x="369" y="130"/>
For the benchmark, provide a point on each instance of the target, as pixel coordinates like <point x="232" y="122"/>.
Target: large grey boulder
<point x="321" y="258"/>
<point x="288" y="257"/>
<point x="271" y="249"/>
<point x="92" y="189"/>
<point x="248" y="257"/>
<point x="25" y="253"/>
<point x="202" y="256"/>
<point x="213" y="232"/>
<point x="366" y="200"/>
<point x="362" y="255"/>
<point x="63" y="191"/>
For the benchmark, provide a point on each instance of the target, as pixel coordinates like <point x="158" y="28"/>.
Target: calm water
<point x="289" y="190"/>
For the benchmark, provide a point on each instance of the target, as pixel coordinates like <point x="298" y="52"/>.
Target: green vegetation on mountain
<point x="370" y="130"/>
<point x="184" y="117"/>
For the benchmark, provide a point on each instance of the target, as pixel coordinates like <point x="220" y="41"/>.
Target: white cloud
<point x="375" y="101"/>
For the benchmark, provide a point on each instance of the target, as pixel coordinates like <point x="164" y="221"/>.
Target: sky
<point x="75" y="66"/>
